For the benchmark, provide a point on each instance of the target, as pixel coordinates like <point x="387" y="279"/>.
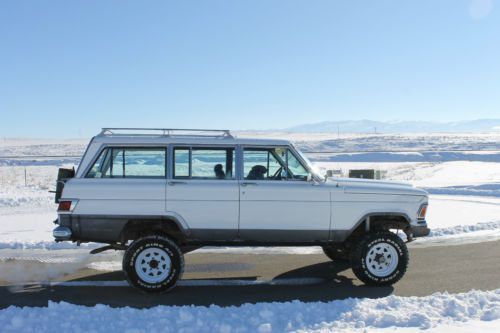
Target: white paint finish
<point x="117" y="196"/>
<point x="115" y="188"/>
<point x="378" y="189"/>
<point x="342" y="195"/>
<point x="110" y="207"/>
<point x="214" y="204"/>
<point x="370" y="186"/>
<point x="284" y="205"/>
<point x="224" y="204"/>
<point x="355" y="199"/>
<point x="347" y="213"/>
<point x="184" y="140"/>
<point x="205" y="204"/>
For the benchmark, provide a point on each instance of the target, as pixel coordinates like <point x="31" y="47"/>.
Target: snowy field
<point x="464" y="207"/>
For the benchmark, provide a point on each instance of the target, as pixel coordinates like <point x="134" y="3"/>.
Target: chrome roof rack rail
<point x="170" y="132"/>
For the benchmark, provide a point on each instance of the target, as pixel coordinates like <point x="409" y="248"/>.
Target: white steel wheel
<point x="382" y="259"/>
<point x="379" y="258"/>
<point x="153" y="265"/>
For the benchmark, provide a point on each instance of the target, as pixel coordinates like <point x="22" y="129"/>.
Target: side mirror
<point x="309" y="177"/>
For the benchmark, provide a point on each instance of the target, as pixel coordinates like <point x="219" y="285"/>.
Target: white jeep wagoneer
<point x="159" y="193"/>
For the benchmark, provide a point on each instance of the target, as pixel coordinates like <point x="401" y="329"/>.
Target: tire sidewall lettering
<point x="373" y="243"/>
<point x="144" y="244"/>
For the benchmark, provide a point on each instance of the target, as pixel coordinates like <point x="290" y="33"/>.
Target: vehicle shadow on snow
<point x="332" y="284"/>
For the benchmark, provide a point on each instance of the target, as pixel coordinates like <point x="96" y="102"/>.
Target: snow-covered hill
<point x="371" y="126"/>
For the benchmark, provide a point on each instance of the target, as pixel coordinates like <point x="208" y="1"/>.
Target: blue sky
<point x="68" y="68"/>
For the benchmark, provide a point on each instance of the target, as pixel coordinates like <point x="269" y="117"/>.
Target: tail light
<point x="422" y="212"/>
<point x="62" y="176"/>
<point x="66" y="206"/>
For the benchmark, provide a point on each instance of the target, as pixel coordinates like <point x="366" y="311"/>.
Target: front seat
<point x="257" y="172"/>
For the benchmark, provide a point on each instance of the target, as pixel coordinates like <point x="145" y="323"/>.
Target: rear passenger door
<point x="204" y="191"/>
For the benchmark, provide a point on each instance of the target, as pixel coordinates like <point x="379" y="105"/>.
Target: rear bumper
<point x="62" y="234"/>
<point x="420" y="230"/>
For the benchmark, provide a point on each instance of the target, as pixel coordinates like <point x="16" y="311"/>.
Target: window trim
<point x="174" y="148"/>
<point x="266" y="147"/>
<point x="138" y="147"/>
<point x="301" y="162"/>
<point x="204" y="147"/>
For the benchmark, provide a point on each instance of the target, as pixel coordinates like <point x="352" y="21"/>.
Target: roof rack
<point x="170" y="132"/>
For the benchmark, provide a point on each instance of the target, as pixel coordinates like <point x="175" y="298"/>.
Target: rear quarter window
<point x="130" y="162"/>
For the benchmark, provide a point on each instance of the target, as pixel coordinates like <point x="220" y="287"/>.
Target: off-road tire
<point x="335" y="254"/>
<point x="376" y="242"/>
<point x="147" y="245"/>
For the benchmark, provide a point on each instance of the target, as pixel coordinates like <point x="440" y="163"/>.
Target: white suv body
<point x="201" y="188"/>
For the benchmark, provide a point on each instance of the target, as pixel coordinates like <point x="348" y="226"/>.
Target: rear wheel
<point x="153" y="264"/>
<point x="380" y="258"/>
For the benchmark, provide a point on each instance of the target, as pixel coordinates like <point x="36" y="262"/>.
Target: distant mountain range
<point x="371" y="126"/>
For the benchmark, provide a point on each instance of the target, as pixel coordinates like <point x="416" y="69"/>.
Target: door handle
<point x="248" y="184"/>
<point x="176" y="182"/>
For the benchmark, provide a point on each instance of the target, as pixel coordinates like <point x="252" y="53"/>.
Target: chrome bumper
<point x="62" y="234"/>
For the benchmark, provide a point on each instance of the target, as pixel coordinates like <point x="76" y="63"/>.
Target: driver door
<point x="277" y="201"/>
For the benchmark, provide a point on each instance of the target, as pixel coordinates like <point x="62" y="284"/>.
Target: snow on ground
<point x="450" y="211"/>
<point x="464" y="207"/>
<point x="465" y="195"/>
<point x="441" y="312"/>
<point x="429" y="174"/>
<point x="408" y="156"/>
<point x="39" y="147"/>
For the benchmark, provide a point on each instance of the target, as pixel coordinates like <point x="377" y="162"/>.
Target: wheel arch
<point x="169" y="225"/>
<point x="374" y="221"/>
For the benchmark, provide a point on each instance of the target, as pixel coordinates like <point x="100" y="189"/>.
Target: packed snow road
<point x="234" y="279"/>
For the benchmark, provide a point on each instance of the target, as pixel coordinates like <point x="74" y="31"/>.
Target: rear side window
<point x="204" y="163"/>
<point x="130" y="163"/>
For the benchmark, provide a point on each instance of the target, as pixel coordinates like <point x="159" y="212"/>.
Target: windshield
<point x="314" y="169"/>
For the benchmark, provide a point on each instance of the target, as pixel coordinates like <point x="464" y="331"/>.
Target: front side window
<point x="272" y="164"/>
<point x="296" y="170"/>
<point x="204" y="163"/>
<point x="130" y="163"/>
<point x="263" y="164"/>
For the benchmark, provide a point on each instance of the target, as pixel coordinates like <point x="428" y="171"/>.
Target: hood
<point x="371" y="186"/>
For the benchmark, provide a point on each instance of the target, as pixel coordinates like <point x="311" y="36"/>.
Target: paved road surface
<point x="315" y="278"/>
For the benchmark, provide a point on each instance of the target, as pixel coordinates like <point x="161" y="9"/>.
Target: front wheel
<point x="153" y="264"/>
<point x="380" y="258"/>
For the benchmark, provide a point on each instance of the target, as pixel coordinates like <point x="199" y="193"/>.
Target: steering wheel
<point x="277" y="174"/>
